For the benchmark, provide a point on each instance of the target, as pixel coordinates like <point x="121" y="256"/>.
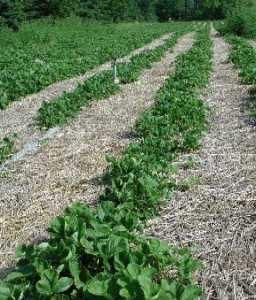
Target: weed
<point x="6" y="148"/>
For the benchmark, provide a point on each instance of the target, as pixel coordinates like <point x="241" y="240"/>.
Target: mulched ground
<point x="217" y="217"/>
<point x="19" y="118"/>
<point x="67" y="168"/>
<point x="253" y="43"/>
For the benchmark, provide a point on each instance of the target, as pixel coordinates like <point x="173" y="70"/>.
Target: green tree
<point x="12" y="12"/>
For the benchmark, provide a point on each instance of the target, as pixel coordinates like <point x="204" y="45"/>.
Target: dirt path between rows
<point x="217" y="217"/>
<point x="19" y="118"/>
<point x="66" y="169"/>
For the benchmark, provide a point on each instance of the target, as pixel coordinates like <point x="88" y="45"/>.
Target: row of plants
<point x="42" y="53"/>
<point x="100" y="86"/>
<point x="7" y="148"/>
<point x="101" y="253"/>
<point x="243" y="55"/>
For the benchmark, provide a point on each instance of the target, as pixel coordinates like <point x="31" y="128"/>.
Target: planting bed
<point x="217" y="216"/>
<point x="65" y="170"/>
<point x="20" y="118"/>
<point x="169" y="131"/>
<point x="43" y="53"/>
<point x="243" y="55"/>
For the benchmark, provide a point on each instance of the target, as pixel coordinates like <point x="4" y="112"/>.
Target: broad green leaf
<point x="63" y="285"/>
<point x="133" y="270"/>
<point x="97" y="287"/>
<point x="191" y="293"/>
<point x="14" y="276"/>
<point x="5" y="292"/>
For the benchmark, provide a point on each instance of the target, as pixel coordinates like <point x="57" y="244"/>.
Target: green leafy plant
<point x="91" y="255"/>
<point x="60" y="110"/>
<point x="174" y="125"/>
<point x="240" y="21"/>
<point x="129" y="72"/>
<point x="6" y="148"/>
<point x="243" y="57"/>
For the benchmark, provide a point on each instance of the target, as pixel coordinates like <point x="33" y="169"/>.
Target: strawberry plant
<point x="130" y="72"/>
<point x="88" y="257"/>
<point x="243" y="56"/>
<point x="174" y="125"/>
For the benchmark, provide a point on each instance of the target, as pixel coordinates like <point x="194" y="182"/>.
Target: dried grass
<point x="217" y="218"/>
<point x="68" y="168"/>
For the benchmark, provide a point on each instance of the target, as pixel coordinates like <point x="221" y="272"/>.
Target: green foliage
<point x="6" y="148"/>
<point x="12" y="13"/>
<point x="244" y="57"/>
<point x="92" y="255"/>
<point x="174" y="125"/>
<point x="42" y="53"/>
<point x="129" y="72"/>
<point x="192" y="9"/>
<point x="60" y="110"/>
<point x="240" y="21"/>
<point x="109" y="10"/>
<point x="100" y="253"/>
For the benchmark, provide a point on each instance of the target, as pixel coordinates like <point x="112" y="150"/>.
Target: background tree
<point x="12" y="12"/>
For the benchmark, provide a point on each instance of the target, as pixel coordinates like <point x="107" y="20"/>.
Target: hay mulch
<point x="19" y="118"/>
<point x="253" y="43"/>
<point x="217" y="217"/>
<point x="68" y="168"/>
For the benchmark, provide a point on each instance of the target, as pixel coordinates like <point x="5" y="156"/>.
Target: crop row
<point x="100" y="253"/>
<point x="60" y="110"/>
<point x="42" y="54"/>
<point x="243" y="55"/>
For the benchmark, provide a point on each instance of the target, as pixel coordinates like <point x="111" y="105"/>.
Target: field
<point x="138" y="185"/>
<point x="42" y="54"/>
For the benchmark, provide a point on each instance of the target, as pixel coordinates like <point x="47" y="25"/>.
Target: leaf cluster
<point x="243" y="56"/>
<point x="60" y="110"/>
<point x="173" y="126"/>
<point x="92" y="254"/>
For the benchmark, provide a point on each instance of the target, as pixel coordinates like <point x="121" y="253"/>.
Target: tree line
<point x="13" y="12"/>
